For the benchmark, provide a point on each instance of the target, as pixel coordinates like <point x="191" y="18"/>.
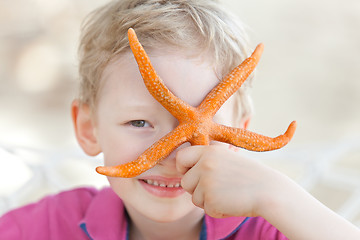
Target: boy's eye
<point x="139" y="123"/>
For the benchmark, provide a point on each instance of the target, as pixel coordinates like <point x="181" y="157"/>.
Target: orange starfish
<point x="195" y="123"/>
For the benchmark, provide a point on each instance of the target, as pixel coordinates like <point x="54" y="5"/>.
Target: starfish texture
<point x="195" y="123"/>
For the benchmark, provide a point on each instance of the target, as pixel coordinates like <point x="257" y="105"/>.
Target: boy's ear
<point x="84" y="128"/>
<point x="245" y="123"/>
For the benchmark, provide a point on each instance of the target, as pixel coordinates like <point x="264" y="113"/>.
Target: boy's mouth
<point x="162" y="183"/>
<point x="163" y="187"/>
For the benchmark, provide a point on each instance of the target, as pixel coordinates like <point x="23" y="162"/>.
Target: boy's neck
<point x="142" y="228"/>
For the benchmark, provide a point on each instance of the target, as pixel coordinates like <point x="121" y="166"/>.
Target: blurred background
<point x="309" y="72"/>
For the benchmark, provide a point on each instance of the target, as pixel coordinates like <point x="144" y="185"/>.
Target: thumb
<point x="187" y="157"/>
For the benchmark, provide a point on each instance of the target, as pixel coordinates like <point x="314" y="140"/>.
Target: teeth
<point x="161" y="184"/>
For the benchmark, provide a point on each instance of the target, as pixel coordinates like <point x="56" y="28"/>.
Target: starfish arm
<point x="231" y="83"/>
<point x="250" y="140"/>
<point x="177" y="107"/>
<point x="153" y="155"/>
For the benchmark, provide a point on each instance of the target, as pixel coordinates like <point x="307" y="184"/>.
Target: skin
<point x="241" y="187"/>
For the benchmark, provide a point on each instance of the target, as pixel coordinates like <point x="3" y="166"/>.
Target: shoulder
<point x="57" y="214"/>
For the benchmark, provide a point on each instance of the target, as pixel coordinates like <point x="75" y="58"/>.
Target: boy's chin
<point x="139" y="202"/>
<point x="175" y="215"/>
<point x="169" y="209"/>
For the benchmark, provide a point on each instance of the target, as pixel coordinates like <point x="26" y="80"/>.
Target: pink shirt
<point x="87" y="213"/>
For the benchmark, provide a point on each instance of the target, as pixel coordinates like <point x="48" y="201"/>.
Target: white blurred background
<point x="309" y="72"/>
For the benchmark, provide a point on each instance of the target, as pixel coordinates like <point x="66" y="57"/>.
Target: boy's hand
<point x="224" y="183"/>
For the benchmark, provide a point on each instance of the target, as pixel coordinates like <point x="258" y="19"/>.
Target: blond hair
<point x="196" y="25"/>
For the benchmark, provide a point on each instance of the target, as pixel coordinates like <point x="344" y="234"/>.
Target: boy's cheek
<point x="117" y="157"/>
<point x="121" y="152"/>
<point x="123" y="187"/>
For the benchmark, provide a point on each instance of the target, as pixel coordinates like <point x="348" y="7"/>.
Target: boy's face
<point x="129" y="120"/>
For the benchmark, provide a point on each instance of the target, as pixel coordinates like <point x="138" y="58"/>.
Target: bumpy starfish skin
<point x="195" y="124"/>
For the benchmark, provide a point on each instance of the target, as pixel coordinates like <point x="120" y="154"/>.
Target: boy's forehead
<point x="189" y="78"/>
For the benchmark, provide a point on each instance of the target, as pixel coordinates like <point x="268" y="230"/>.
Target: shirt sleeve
<point x="9" y="229"/>
<point x="257" y="228"/>
<point x="26" y="222"/>
<point x="53" y="217"/>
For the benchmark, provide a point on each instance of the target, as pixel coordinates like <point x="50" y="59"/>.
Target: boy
<point x="206" y="192"/>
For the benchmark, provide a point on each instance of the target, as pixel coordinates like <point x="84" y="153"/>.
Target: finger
<point x="187" y="157"/>
<point x="190" y="180"/>
<point x="198" y="196"/>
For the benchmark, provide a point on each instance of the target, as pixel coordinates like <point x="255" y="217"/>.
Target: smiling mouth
<point x="162" y="183"/>
<point x="162" y="187"/>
